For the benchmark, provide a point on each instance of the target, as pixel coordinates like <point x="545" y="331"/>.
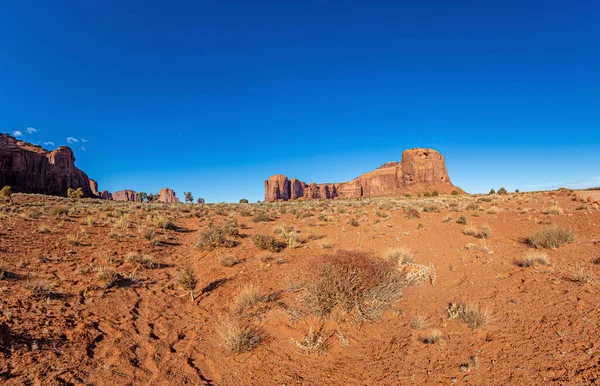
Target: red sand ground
<point x="146" y="331"/>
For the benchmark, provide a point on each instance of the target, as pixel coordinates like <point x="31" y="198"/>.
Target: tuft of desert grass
<point x="435" y="336"/>
<point x="532" y="259"/>
<point x="469" y="313"/>
<point x="238" y="336"/>
<point x="553" y="210"/>
<point x="418" y="322"/>
<point x="400" y="255"/>
<point x="107" y="276"/>
<point x="247" y="297"/>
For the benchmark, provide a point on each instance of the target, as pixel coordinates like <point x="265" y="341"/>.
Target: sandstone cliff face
<point x="420" y="171"/>
<point x="31" y="169"/>
<point x="94" y="187"/>
<point x="167" y="196"/>
<point x="124" y="195"/>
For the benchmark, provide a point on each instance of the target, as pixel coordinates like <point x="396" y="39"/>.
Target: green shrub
<point x="502" y="191"/>
<point x="454" y="193"/>
<point x="435" y="193"/>
<point x="243" y="201"/>
<point x="215" y="237"/>
<point x="268" y="243"/>
<point x="74" y="193"/>
<point x="492" y="191"/>
<point x="261" y="217"/>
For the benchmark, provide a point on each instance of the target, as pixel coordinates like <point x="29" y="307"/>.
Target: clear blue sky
<point x="214" y="97"/>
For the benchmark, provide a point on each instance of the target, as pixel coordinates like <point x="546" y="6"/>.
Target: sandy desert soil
<point x="91" y="293"/>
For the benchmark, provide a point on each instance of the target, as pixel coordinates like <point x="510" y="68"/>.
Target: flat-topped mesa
<point x="420" y="171"/>
<point x="125" y="195"/>
<point x="30" y="168"/>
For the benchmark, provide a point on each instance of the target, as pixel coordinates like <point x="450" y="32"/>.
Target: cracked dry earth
<point x="143" y="329"/>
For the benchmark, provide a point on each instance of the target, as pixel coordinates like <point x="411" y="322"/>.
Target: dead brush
<point x="215" y="237"/>
<point x="312" y="343"/>
<point x="353" y="283"/>
<point x="469" y="313"/>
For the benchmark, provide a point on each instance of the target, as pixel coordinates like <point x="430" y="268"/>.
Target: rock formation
<point x="124" y="195"/>
<point x="94" y="187"/>
<point x="105" y="195"/>
<point x="420" y="171"/>
<point x="29" y="168"/>
<point x="167" y="196"/>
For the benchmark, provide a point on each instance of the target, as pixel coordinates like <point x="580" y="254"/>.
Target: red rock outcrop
<point x="125" y="195"/>
<point x="167" y="196"/>
<point x="420" y="171"/>
<point x="29" y="168"/>
<point x="105" y="195"/>
<point x="94" y="187"/>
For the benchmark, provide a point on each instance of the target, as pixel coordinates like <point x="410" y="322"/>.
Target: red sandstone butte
<point x="167" y="196"/>
<point x="420" y="171"/>
<point x="29" y="168"/>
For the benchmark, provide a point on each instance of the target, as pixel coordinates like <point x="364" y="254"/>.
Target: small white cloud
<point x="84" y="140"/>
<point x="31" y="130"/>
<point x="17" y="133"/>
<point x="82" y="148"/>
<point x="49" y="143"/>
<point x="71" y="140"/>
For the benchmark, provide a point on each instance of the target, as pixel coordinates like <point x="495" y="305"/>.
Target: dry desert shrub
<point x="533" y="259"/>
<point x="268" y="243"/>
<point x="164" y="223"/>
<point x="215" y="237"/>
<point x="551" y="237"/>
<point x="412" y="214"/>
<point x="582" y="275"/>
<point x="462" y="220"/>
<point x="418" y="322"/>
<point x="188" y="281"/>
<point x="238" y="336"/>
<point x="38" y="289"/>
<point x="58" y="210"/>
<point x="312" y="343"/>
<point x="484" y="233"/>
<point x="261" y="217"/>
<point x="142" y="260"/>
<point x="228" y="260"/>
<point x="354" y="283"/>
<point x="431" y="208"/>
<point x="469" y="313"/>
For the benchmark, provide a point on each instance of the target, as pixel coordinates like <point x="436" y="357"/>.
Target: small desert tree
<point x="7" y="192"/>
<point x="189" y="197"/>
<point x="492" y="191"/>
<point x="74" y="193"/>
<point x="502" y="191"/>
<point x="141" y="196"/>
<point x="151" y="197"/>
<point x="243" y="201"/>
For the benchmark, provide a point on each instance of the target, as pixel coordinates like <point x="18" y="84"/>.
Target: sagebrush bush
<point x="215" y="237"/>
<point x="268" y="243"/>
<point x="238" y="336"/>
<point x="551" y="237"/>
